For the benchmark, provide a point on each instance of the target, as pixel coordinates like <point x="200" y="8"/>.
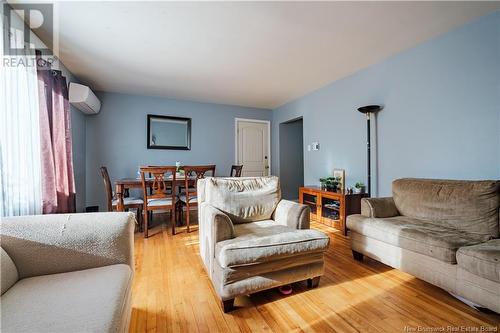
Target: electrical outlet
<point x="315" y="146"/>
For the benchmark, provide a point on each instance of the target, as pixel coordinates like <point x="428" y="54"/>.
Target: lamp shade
<point x="370" y="109"/>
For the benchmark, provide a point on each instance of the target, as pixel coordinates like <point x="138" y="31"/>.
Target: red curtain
<point x="58" y="183"/>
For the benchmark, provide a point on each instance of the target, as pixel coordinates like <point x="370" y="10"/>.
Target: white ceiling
<point x="260" y="54"/>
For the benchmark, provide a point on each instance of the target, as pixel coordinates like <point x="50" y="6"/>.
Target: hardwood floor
<point x="172" y="293"/>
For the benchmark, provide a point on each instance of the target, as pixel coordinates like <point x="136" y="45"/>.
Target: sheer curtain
<point x="20" y="159"/>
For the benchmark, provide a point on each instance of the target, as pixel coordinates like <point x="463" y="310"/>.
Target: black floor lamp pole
<point x="368" y="110"/>
<point x="368" y="155"/>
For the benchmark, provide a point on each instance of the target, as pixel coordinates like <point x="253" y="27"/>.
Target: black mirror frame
<point x="188" y="120"/>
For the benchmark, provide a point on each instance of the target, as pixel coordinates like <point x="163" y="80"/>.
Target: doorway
<point x="253" y="146"/>
<point x="291" y="141"/>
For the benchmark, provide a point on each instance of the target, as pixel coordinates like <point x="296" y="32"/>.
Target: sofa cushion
<point x="265" y="241"/>
<point x="244" y="199"/>
<point x="91" y="300"/>
<point x="481" y="259"/>
<point x="238" y="273"/>
<point x="8" y="271"/>
<point x="469" y="206"/>
<point x="434" y="240"/>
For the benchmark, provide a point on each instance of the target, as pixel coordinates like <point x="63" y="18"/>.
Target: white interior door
<point x="253" y="147"/>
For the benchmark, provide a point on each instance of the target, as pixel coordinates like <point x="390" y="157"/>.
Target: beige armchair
<point x="251" y="240"/>
<point x="67" y="272"/>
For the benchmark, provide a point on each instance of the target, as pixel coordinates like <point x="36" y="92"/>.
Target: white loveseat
<point x="66" y="273"/>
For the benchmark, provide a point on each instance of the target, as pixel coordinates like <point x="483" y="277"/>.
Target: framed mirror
<point x="166" y="132"/>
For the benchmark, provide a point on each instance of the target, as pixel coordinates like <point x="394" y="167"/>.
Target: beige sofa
<point x="66" y="273"/>
<point x="251" y="240"/>
<point x="442" y="231"/>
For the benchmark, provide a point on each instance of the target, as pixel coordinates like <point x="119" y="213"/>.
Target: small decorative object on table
<point x="359" y="187"/>
<point x="339" y="174"/>
<point x="329" y="183"/>
<point x="179" y="169"/>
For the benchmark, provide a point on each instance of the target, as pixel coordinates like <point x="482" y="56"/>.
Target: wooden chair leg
<point x="146" y="223"/>
<point x="187" y="217"/>
<point x="314" y="282"/>
<point x="139" y="219"/>
<point x="227" y="305"/>
<point x="173" y="220"/>
<point x="178" y="220"/>
<point x="181" y="214"/>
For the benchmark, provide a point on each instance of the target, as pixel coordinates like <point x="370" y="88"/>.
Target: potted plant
<point x="329" y="183"/>
<point x="359" y="187"/>
<point x="179" y="168"/>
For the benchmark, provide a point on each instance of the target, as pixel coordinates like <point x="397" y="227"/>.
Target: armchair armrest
<point x="50" y="244"/>
<point x="292" y="214"/>
<point x="221" y="226"/>
<point x="378" y="207"/>
<point x="214" y="226"/>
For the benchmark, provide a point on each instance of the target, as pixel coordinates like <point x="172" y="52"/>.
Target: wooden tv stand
<point x="330" y="208"/>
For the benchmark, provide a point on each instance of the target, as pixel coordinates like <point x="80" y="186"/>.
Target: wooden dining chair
<point x="162" y="179"/>
<point x="188" y="199"/>
<point x="112" y="201"/>
<point x="236" y="170"/>
<point x="169" y="189"/>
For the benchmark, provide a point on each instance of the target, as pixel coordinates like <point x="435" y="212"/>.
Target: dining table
<point x="123" y="184"/>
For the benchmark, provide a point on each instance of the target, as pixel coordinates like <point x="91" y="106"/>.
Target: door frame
<point x="268" y="122"/>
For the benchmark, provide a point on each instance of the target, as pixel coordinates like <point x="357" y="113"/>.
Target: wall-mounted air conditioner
<point x="83" y="98"/>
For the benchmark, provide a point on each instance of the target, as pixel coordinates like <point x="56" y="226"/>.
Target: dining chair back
<point x="236" y="170"/>
<point x="112" y="202"/>
<point x="189" y="197"/>
<point x="107" y="188"/>
<point x="162" y="178"/>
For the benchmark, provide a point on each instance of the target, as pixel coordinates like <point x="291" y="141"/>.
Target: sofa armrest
<point x="378" y="207"/>
<point x="50" y="244"/>
<point x="292" y="214"/>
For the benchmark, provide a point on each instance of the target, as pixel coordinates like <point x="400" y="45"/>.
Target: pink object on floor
<point x="286" y="289"/>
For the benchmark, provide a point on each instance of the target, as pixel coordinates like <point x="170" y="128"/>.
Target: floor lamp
<point x="368" y="110"/>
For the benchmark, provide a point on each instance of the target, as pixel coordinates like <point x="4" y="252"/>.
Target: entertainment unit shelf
<point x="330" y="208"/>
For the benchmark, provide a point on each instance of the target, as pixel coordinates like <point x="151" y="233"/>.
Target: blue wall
<point x="441" y="119"/>
<point x="441" y="116"/>
<point x="116" y="137"/>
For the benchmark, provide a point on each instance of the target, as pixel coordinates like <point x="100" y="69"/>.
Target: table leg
<point x="119" y="195"/>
